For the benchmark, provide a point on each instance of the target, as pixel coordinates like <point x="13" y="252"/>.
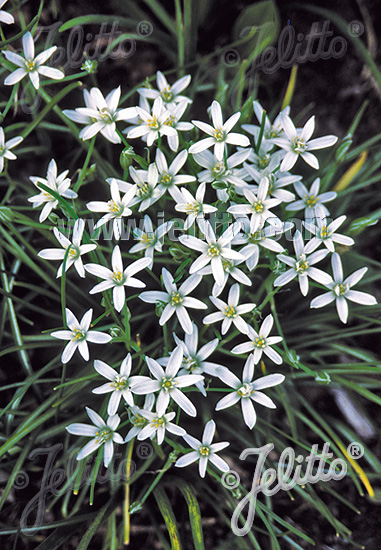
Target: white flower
<point x="219" y="132"/>
<point x="213" y="250"/>
<point x="6" y="146"/>
<point x="298" y="143"/>
<point x="219" y="171"/>
<point x="301" y="267"/>
<point x="261" y="341"/>
<point x="103" y="434"/>
<point x="167" y="177"/>
<point x="29" y="65"/>
<point x="137" y="420"/>
<point x="230" y="312"/>
<point x="246" y="390"/>
<point x="147" y="191"/>
<point x="271" y="131"/>
<point x="176" y="300"/>
<point x="157" y="424"/>
<point x="204" y="451"/>
<point x="100" y="114"/>
<point x="5" y="17"/>
<point x="116" y="208"/>
<point x="277" y="179"/>
<point x="121" y="384"/>
<point x="325" y="234"/>
<point x="194" y="361"/>
<point x="311" y="201"/>
<point x="150" y="240"/>
<point x="174" y="122"/>
<point x="230" y="268"/>
<point x="78" y="335"/>
<point x="73" y="257"/>
<point x="257" y="235"/>
<point x="59" y="184"/>
<point x="341" y="290"/>
<point x="195" y="208"/>
<point x="169" y="94"/>
<point x="168" y="383"/>
<point x="152" y="125"/>
<point x="259" y="205"/>
<point x="118" y="277"/>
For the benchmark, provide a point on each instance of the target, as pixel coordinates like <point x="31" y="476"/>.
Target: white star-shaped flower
<point x="220" y="133"/>
<point x="311" y="201"/>
<point x="116" y="208"/>
<point x="152" y="124"/>
<point x="247" y="390"/>
<point x="194" y="207"/>
<point x="78" y="335"/>
<point x="157" y="424"/>
<point x="76" y="249"/>
<point x="175" y="300"/>
<point x="6" y="146"/>
<point x="324" y="233"/>
<point x="213" y="250"/>
<point x="230" y="312"/>
<point x="118" y="277"/>
<point x="168" y="383"/>
<point x="60" y="184"/>
<point x="120" y="384"/>
<point x="298" y="143"/>
<point x="169" y="94"/>
<point x="204" y="450"/>
<point x="340" y="290"/>
<point x="261" y="342"/>
<point x="168" y="177"/>
<point x="150" y="240"/>
<point x="100" y="114"/>
<point x="30" y="65"/>
<point x="103" y="434"/>
<point x="302" y="266"/>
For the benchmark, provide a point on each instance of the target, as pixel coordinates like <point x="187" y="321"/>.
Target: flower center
<point x="166" y="179"/>
<point x="255" y="238"/>
<point x="171" y="121"/>
<point x="167" y="384"/>
<point x="153" y="123"/>
<point x="302" y="265"/>
<point x="74" y="252"/>
<point x="325" y="233"/>
<point x="310" y="200"/>
<point x="258" y="207"/>
<point x="106" y="115"/>
<point x="158" y="422"/>
<point x="214" y="250"/>
<point x="78" y="335"/>
<point x="219" y="134"/>
<point x="340" y="289"/>
<point x="274" y="132"/>
<point x="193" y="207"/>
<point x="190" y="364"/>
<point x="218" y="168"/>
<point x="259" y="342"/>
<point x="167" y="94"/>
<point x="263" y="161"/>
<point x="176" y="299"/>
<point x="118" y="277"/>
<point x="30" y="65"/>
<point x="120" y="383"/>
<point x="144" y="190"/>
<point x="299" y="145"/>
<point x="227" y="265"/>
<point x="147" y="239"/>
<point x="115" y="208"/>
<point x="230" y="312"/>
<point x="245" y="390"/>
<point x="138" y="420"/>
<point x="204" y="450"/>
<point x="105" y="434"/>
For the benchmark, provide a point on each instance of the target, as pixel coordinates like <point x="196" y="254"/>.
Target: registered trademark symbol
<point x="355" y="450"/>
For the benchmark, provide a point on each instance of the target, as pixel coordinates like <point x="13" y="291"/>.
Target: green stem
<point x="82" y="173"/>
